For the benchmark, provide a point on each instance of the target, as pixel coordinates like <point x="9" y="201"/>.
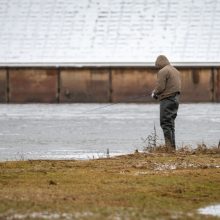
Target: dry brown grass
<point x="137" y="186"/>
<point x="188" y="150"/>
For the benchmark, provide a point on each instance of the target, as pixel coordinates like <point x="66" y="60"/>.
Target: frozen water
<point x="81" y="131"/>
<point x="105" y="32"/>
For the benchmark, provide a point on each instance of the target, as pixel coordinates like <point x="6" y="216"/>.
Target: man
<point x="167" y="91"/>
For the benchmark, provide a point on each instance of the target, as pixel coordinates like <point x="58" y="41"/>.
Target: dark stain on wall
<point x="196" y="84"/>
<point x="217" y="85"/>
<point x="195" y="76"/>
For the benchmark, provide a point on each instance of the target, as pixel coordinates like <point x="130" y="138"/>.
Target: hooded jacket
<point x="168" y="78"/>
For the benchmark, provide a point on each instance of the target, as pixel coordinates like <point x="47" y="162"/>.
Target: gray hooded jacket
<point x="168" y="78"/>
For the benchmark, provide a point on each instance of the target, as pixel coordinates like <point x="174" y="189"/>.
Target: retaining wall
<point x="84" y="85"/>
<point x="216" y="87"/>
<point x="3" y="85"/>
<point x="115" y="84"/>
<point x="32" y="85"/>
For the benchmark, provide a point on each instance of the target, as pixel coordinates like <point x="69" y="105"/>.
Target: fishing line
<point x="115" y="103"/>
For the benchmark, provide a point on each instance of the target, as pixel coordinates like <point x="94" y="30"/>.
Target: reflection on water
<point x="64" y="131"/>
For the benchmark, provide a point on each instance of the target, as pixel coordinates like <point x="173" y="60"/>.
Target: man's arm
<point x="161" y="82"/>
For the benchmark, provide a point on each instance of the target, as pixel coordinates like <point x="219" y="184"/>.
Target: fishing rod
<point x="115" y="103"/>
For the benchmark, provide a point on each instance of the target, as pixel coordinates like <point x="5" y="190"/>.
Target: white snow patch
<point x="47" y="215"/>
<point x="210" y="210"/>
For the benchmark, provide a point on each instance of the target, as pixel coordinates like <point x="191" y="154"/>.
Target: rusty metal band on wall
<point x="116" y="84"/>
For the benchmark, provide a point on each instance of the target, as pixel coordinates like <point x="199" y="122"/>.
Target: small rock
<point x="51" y="182"/>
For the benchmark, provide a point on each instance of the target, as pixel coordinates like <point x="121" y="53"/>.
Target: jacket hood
<point x="161" y="61"/>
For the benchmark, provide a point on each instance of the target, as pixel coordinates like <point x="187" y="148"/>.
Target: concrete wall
<point x="3" y="85"/>
<point x="32" y="85"/>
<point x="217" y="85"/>
<point x="116" y="84"/>
<point x="128" y="83"/>
<point x="84" y="85"/>
<point x="196" y="84"/>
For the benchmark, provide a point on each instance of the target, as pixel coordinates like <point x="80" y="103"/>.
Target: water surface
<point x="82" y="131"/>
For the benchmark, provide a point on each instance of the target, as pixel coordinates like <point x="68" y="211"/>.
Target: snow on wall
<point x="109" y="30"/>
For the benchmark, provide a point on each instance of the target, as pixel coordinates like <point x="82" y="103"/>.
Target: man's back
<point x="172" y="78"/>
<point x="168" y="78"/>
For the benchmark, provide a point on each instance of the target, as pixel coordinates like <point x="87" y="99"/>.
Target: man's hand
<point x="153" y="95"/>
